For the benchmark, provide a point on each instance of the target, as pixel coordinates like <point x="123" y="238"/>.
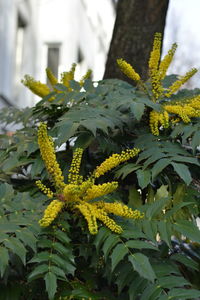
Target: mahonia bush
<point x="171" y="110"/>
<point x="81" y="194"/>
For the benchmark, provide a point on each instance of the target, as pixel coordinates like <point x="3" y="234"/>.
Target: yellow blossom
<point x="166" y="61"/>
<point x="67" y="76"/>
<point x="44" y="189"/>
<point x="52" y="79"/>
<point x="38" y="88"/>
<point x="155" y="53"/>
<point x="128" y="70"/>
<point x="114" y="160"/>
<point x="178" y="83"/>
<point x="74" y="176"/>
<point x="51" y="213"/>
<point x="82" y="195"/>
<point x="49" y="157"/>
<point x="86" y="76"/>
<point x="96" y="191"/>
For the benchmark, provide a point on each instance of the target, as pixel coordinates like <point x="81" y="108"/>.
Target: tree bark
<point x="135" y="26"/>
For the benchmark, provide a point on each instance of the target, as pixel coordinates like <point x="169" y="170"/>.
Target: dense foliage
<point x="154" y="257"/>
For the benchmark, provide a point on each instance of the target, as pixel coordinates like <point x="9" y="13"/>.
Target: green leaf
<point x="102" y="234"/>
<point x="110" y="242"/>
<point x="159" y="166"/>
<point x="156" y="208"/>
<point x="51" y="284"/>
<point x="136" y="244"/>
<point x="165" y="232"/>
<point x="66" y="131"/>
<point x="16" y="247"/>
<point x="27" y="237"/>
<point x="183" y="259"/>
<point x="126" y="170"/>
<point x="172" y="281"/>
<point x="62" y="236"/>
<point x="84" y="140"/>
<point x="134" y="198"/>
<point x="118" y="254"/>
<point x="144" y="177"/>
<point x="188" y="229"/>
<point x="38" y="272"/>
<point x="183" y="171"/>
<point x="142" y="265"/>
<point x="195" y="141"/>
<point x="4" y="258"/>
<point x="59" y="272"/>
<point x="137" y="109"/>
<point x="183" y="294"/>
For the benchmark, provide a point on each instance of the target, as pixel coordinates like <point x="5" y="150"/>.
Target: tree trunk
<point x="135" y="26"/>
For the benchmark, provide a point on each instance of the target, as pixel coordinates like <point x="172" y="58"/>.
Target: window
<point x="53" y="53"/>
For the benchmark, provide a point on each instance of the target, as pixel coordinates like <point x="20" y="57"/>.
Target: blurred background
<point x="36" y="34"/>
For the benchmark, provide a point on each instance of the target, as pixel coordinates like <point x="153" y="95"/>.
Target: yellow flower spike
<point x="164" y="64"/>
<point x="86" y="76"/>
<point x="38" y="88"/>
<point x="74" y="176"/>
<point x="114" y="160"/>
<point x="71" y="193"/>
<point x="96" y="191"/>
<point x="49" y="157"/>
<point x="122" y="210"/>
<point x="110" y="223"/>
<point x="128" y="70"/>
<point x="154" y="60"/>
<point x="178" y="83"/>
<point x="67" y="76"/>
<point x="44" y="189"/>
<point x="51" y="213"/>
<point x="89" y="213"/>
<point x="52" y="79"/>
<point x="155" y="53"/>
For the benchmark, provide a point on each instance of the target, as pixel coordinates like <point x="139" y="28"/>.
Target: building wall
<point x="18" y="42"/>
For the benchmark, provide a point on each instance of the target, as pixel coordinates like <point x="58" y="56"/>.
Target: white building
<point x="35" y="34"/>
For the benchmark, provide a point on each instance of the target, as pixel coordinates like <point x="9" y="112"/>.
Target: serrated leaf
<point x="59" y="272"/>
<point x="137" y="109"/>
<point x="110" y="242"/>
<point x="38" y="272"/>
<point x="102" y="234"/>
<point x="126" y="170"/>
<point x="188" y="229"/>
<point x="27" y="237"/>
<point x="183" y="294"/>
<point x="16" y="247"/>
<point x="4" y="259"/>
<point x="172" y="281"/>
<point x="159" y="166"/>
<point x="142" y="265"/>
<point x="144" y="177"/>
<point x="118" y="254"/>
<point x="136" y="244"/>
<point x="51" y="284"/>
<point x="183" y="259"/>
<point x="62" y="236"/>
<point x="183" y="171"/>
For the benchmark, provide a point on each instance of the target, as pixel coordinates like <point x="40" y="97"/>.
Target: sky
<point x="183" y="27"/>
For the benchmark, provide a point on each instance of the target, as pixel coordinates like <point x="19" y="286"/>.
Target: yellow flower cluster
<point x="87" y="75"/>
<point x="51" y="212"/>
<point x="67" y="76"/>
<point x="49" y="157"/>
<point x="178" y="83"/>
<point x="42" y="89"/>
<point x="78" y="193"/>
<point x="52" y="79"/>
<point x="155" y="53"/>
<point x="38" y="88"/>
<point x="183" y="110"/>
<point x="44" y="189"/>
<point x="157" y="119"/>
<point x="96" y="191"/>
<point x="74" y="170"/>
<point x="88" y="211"/>
<point x="164" y="64"/>
<point x="128" y="70"/>
<point x="120" y="209"/>
<point x="114" y="160"/>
